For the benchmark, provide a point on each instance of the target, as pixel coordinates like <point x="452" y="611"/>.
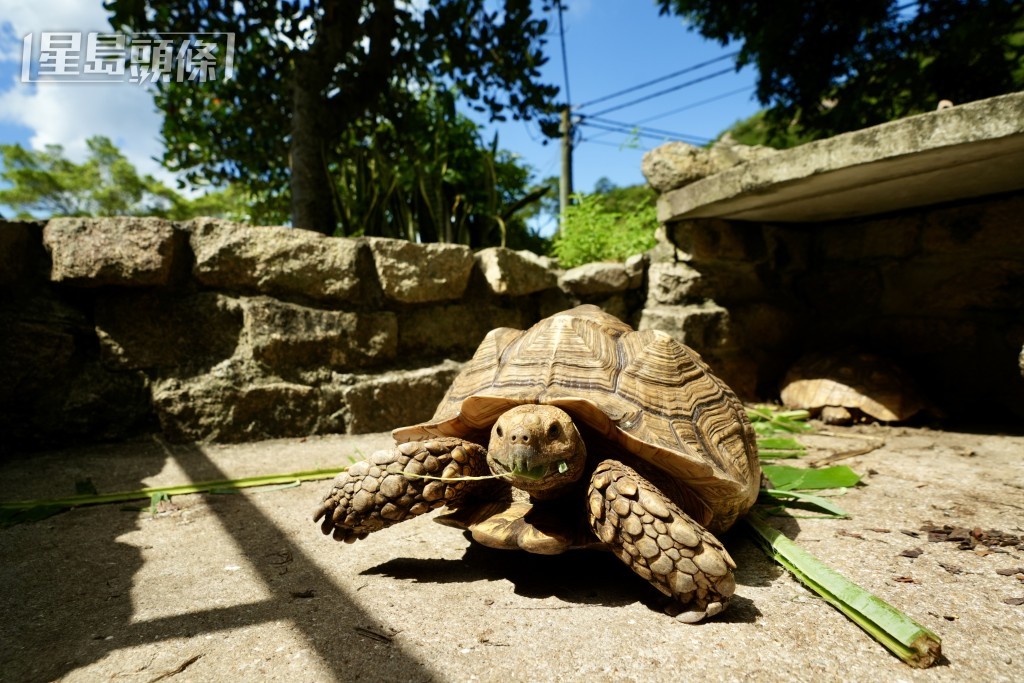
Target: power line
<point x="663" y="92"/>
<point x="658" y="80"/>
<point x="634" y="126"/>
<point x="692" y="105"/>
<point x="644" y="132"/>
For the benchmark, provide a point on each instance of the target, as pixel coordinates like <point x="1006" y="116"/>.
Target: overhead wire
<point x="666" y="91"/>
<point x="660" y="79"/>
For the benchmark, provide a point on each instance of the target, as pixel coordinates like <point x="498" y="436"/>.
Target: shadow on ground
<point x="81" y="610"/>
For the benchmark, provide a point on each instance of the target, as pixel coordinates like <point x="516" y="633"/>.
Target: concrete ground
<point x="226" y="587"/>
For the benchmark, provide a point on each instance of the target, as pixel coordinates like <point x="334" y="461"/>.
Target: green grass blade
<point x="155" y="492"/>
<point x="788" y="478"/>
<point x="904" y="637"/>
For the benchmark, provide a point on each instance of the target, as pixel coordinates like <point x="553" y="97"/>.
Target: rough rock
<point x="703" y="327"/>
<point x="125" y="251"/>
<point x="673" y="282"/>
<point x="515" y="273"/>
<point x="397" y="399"/>
<point x="278" y="260"/>
<point x="157" y="329"/>
<point x="593" y="279"/>
<point x="676" y="164"/>
<point x="452" y="328"/>
<point x="237" y="402"/>
<point x="288" y="338"/>
<point x="418" y="273"/>
<point x="636" y="267"/>
<point x="22" y="257"/>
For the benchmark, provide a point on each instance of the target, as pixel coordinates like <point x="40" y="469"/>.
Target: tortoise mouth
<point x="526" y="462"/>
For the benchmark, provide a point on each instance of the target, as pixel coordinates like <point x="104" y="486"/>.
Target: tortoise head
<point x="539" y="445"/>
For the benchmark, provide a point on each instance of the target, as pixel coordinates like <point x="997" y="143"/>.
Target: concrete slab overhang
<point x="972" y="150"/>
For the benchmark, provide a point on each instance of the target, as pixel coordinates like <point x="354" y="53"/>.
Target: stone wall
<point x="214" y="331"/>
<point x="939" y="289"/>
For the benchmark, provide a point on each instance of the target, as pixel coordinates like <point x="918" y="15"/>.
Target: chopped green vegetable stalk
<point x="199" y="487"/>
<point x="904" y="637"/>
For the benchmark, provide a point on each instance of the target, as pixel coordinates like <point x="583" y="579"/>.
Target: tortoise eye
<point x="554" y="431"/>
<point x="500" y="432"/>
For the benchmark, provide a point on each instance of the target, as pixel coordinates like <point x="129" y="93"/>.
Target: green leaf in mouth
<point x="531" y="473"/>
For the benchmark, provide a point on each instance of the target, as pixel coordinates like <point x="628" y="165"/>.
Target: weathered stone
<point x="397" y="399"/>
<point x="703" y="327"/>
<point x="278" y="260"/>
<point x="596" y="278"/>
<point x="418" y="273"/>
<point x="986" y="230"/>
<point x="761" y="325"/>
<point x="552" y="301"/>
<point x="710" y="240"/>
<point x="674" y="283"/>
<point x="288" y="337"/>
<point x="676" y="164"/>
<point x="636" y="267"/>
<point x="515" y="273"/>
<point x="22" y="257"/>
<point x="152" y="329"/>
<point x="235" y="402"/>
<point x="125" y="251"/>
<point x="452" y="328"/>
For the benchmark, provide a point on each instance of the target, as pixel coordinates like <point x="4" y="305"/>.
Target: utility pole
<point x="565" y="183"/>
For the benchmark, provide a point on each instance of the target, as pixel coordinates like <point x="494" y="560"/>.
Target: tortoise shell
<point x="854" y="380"/>
<point x="641" y="391"/>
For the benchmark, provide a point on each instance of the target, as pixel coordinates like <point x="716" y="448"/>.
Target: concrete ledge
<point x="968" y="151"/>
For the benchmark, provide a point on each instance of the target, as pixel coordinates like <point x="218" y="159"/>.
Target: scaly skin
<point x="373" y="494"/>
<point x="659" y="541"/>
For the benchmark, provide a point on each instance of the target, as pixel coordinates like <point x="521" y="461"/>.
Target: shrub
<point x="592" y="232"/>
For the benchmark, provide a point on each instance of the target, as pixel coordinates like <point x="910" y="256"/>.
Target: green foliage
<point x="759" y="130"/>
<point x="830" y="67"/>
<point x="106" y="184"/>
<point x="46" y="184"/>
<point x="442" y="184"/>
<point x="318" y="83"/>
<point x="606" y="227"/>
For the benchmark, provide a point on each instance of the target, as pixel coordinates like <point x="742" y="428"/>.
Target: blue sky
<point x="611" y="45"/>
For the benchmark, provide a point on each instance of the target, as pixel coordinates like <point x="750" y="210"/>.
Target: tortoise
<point x="600" y="436"/>
<point x="851" y="386"/>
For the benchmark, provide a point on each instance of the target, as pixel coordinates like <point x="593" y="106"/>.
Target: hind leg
<point x="375" y="493"/>
<point x="659" y="541"/>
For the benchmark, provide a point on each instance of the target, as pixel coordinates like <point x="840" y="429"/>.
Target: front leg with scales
<point x="659" y="541"/>
<point x="376" y="493"/>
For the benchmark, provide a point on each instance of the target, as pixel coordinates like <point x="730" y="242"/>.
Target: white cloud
<point x="69" y="113"/>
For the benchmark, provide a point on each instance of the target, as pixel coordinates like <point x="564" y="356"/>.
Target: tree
<point x="106" y="184"/>
<point x="829" y="67"/>
<point x="313" y="79"/>
<point x="47" y="184"/>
